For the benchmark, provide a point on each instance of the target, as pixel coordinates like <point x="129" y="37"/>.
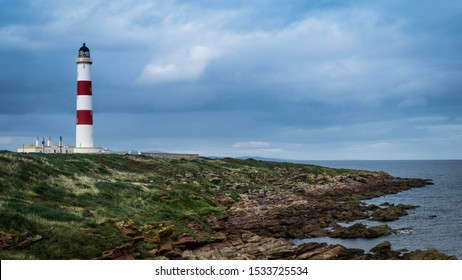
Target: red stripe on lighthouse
<point x="83" y="87"/>
<point x="84" y="117"/>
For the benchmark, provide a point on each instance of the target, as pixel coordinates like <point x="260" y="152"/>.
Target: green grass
<point x="47" y="195"/>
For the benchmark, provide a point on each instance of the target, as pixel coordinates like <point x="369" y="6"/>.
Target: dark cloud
<point x="305" y="79"/>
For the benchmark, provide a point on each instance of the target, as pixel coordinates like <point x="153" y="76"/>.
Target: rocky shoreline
<point x="260" y="224"/>
<point x="143" y="207"/>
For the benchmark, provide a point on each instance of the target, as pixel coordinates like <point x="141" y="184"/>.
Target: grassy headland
<point x="56" y="206"/>
<point x="73" y="202"/>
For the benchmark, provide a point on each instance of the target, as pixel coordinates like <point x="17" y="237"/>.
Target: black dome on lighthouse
<point x="84" y="48"/>
<point x="84" y="51"/>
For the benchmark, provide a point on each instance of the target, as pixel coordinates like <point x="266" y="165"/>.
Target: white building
<point x="46" y="148"/>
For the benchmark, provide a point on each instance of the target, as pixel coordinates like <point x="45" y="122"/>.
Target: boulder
<point x="431" y="254"/>
<point x="385" y="245"/>
<point x="354" y="231"/>
<point x="361" y="230"/>
<point x="391" y="213"/>
<point x="377" y="231"/>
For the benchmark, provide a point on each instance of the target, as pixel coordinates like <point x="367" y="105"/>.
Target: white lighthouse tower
<point x="84" y="117"/>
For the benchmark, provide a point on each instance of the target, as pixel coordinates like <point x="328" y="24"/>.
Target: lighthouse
<point x="84" y="117"/>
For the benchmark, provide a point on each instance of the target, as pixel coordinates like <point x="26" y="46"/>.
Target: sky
<point x="302" y="80"/>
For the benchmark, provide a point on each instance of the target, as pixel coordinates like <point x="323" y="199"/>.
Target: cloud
<point x="15" y="36"/>
<point x="329" y="55"/>
<point x="183" y="67"/>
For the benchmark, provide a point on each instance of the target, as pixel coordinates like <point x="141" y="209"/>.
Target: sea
<point x="435" y="224"/>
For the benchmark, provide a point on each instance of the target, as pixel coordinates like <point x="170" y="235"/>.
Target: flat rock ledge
<point x="296" y="209"/>
<point x="253" y="247"/>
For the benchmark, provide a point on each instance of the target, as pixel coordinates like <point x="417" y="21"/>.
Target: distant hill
<point x="265" y="159"/>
